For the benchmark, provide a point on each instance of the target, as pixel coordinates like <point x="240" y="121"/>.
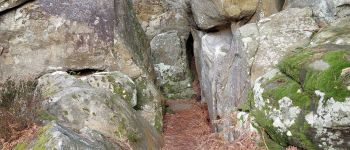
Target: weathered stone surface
<point x="171" y="65"/>
<point x="55" y="136"/>
<point x="48" y="35"/>
<point x="208" y="13"/>
<point x="159" y="16"/>
<point x="168" y="21"/>
<point x="8" y="4"/>
<point x="215" y="62"/>
<point x="116" y="82"/>
<point x="336" y="33"/>
<point x="76" y="104"/>
<point x="131" y="46"/>
<point x="326" y="10"/>
<point x="308" y="107"/>
<point x="279" y="34"/>
<point x="267" y="8"/>
<point x="149" y="102"/>
<point x="306" y="103"/>
<point x="133" y="53"/>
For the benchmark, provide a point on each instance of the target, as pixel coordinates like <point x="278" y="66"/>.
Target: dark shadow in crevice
<point x="192" y="66"/>
<point x="83" y="72"/>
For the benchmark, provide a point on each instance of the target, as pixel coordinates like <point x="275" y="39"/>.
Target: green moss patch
<point x="282" y="86"/>
<point x="330" y="81"/>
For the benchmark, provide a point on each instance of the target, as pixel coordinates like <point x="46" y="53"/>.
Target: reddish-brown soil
<point x="186" y="122"/>
<point x="186" y="127"/>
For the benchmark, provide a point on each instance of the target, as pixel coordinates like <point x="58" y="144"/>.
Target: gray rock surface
<point x="326" y="10"/>
<point x="76" y="104"/>
<point x="116" y="82"/>
<point x="48" y="35"/>
<point x="279" y="34"/>
<point x="8" y="4"/>
<point x="209" y="13"/>
<point x="171" y="65"/>
<point x="56" y="136"/>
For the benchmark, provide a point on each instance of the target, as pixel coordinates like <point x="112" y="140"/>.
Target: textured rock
<point x="55" y="136"/>
<point x="336" y="33"/>
<point x="48" y="35"/>
<point x="307" y="102"/>
<point x="131" y="46"/>
<point x="133" y="53"/>
<point x="8" y="4"/>
<point x="116" y="82"/>
<point x="214" y="63"/>
<point x="279" y="34"/>
<point x="60" y="35"/>
<point x="267" y="8"/>
<point x="208" y="13"/>
<point x="326" y="10"/>
<point x="76" y="104"/>
<point x="158" y="16"/>
<point x="171" y="65"/>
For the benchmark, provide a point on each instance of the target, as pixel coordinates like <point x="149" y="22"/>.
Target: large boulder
<point x="229" y="60"/>
<point x="48" y="35"/>
<point x="79" y="36"/>
<point x="306" y="102"/>
<point x="209" y="13"/>
<point x="171" y="65"/>
<point x="214" y="59"/>
<point x="76" y="104"/>
<point x="167" y="24"/>
<point x="56" y="136"/>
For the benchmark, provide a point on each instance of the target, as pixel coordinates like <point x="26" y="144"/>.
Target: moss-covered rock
<point x="307" y="102"/>
<point x="150" y="102"/>
<point x="172" y="65"/>
<point x="77" y="104"/>
<point x="116" y="82"/>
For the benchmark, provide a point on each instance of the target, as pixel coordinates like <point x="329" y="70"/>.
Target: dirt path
<point x="186" y="122"/>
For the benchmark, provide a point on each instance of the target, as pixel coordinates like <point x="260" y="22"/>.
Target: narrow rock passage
<point x="185" y="124"/>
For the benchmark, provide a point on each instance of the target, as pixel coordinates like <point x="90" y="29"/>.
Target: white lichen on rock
<point x="284" y="117"/>
<point x="329" y="114"/>
<point x="258" y="90"/>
